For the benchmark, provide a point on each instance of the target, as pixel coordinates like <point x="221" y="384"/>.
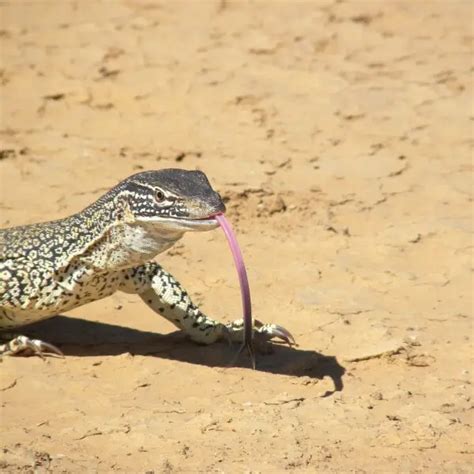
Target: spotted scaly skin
<point x="53" y="267"/>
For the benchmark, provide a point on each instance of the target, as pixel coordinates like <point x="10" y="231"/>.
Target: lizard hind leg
<point x="23" y="345"/>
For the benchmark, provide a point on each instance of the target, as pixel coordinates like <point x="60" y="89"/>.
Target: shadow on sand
<point x="79" y="337"/>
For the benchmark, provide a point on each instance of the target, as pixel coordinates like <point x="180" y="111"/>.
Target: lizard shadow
<point x="83" y="338"/>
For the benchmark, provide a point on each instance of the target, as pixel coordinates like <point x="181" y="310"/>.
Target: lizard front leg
<point x="165" y="295"/>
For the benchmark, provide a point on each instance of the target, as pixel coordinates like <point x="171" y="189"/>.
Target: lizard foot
<point x="261" y="332"/>
<point x="23" y="345"/>
<point x="262" y="335"/>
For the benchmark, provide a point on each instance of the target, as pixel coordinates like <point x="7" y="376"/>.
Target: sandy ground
<point x="339" y="134"/>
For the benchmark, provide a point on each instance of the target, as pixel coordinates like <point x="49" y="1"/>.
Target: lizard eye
<point x="159" y="196"/>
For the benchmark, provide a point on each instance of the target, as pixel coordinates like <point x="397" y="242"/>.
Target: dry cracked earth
<point x="340" y="134"/>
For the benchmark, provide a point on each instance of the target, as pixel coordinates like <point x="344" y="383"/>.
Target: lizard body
<point x="53" y="267"/>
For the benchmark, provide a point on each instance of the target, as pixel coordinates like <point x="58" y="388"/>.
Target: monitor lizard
<point x="52" y="267"/>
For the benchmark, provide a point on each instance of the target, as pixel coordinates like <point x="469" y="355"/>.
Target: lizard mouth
<point x="201" y="223"/>
<point x="183" y="224"/>
<point x="200" y="217"/>
<point x="208" y="222"/>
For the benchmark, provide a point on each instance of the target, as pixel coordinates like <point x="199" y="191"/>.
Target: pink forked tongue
<point x="244" y="285"/>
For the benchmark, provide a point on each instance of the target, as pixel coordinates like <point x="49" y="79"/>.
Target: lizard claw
<point x="266" y="332"/>
<point x="40" y="348"/>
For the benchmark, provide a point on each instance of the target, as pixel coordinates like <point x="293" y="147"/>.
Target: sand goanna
<point x="52" y="267"/>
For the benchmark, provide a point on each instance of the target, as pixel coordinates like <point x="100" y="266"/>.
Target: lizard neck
<point x="129" y="244"/>
<point x="144" y="241"/>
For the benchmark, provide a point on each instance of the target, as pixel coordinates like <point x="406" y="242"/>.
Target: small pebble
<point x="277" y="205"/>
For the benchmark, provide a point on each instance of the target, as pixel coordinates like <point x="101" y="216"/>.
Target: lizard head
<point x="176" y="200"/>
